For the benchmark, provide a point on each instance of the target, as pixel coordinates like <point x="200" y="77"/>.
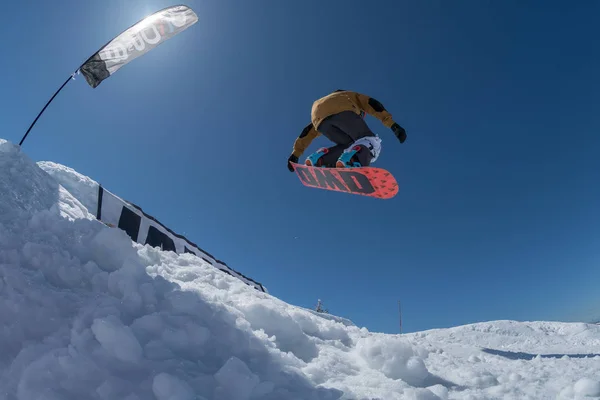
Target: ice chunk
<point x="118" y="340"/>
<point x="169" y="387"/>
<point x="395" y="357"/>
<point x="587" y="387"/>
<point x="235" y="370"/>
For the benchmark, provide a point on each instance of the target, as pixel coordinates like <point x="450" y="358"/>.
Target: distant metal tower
<point x="400" y="315"/>
<point x="319" y="308"/>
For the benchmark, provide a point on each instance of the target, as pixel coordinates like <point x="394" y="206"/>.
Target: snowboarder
<point x="339" y="117"/>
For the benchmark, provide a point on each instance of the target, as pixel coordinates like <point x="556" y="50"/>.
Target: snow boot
<point x="349" y="158"/>
<point x="314" y="160"/>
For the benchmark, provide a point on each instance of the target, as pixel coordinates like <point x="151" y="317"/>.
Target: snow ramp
<point x="87" y="313"/>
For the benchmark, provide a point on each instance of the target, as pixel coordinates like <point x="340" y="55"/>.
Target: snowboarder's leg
<point x="364" y="147"/>
<point x="327" y="157"/>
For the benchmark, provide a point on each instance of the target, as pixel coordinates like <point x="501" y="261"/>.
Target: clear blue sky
<point x="497" y="214"/>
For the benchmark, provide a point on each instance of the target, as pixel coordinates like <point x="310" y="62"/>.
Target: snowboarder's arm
<point x="374" y="108"/>
<point x="309" y="133"/>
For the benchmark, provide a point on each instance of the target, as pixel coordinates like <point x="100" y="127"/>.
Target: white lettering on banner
<point x="156" y="35"/>
<point x="138" y="43"/>
<point x="151" y="35"/>
<point x="116" y="51"/>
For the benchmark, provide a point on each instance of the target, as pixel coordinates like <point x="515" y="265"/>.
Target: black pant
<point x="344" y="129"/>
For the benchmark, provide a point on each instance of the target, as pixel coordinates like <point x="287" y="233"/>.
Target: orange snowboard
<point x="365" y="181"/>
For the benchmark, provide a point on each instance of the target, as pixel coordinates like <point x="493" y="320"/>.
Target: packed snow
<point x="85" y="313"/>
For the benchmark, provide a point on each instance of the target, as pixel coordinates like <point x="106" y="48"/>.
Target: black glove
<point x="399" y="132"/>
<point x="292" y="159"/>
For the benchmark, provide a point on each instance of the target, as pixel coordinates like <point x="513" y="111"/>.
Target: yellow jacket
<point x="336" y="102"/>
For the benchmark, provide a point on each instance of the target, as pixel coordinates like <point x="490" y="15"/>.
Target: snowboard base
<point x="364" y="181"/>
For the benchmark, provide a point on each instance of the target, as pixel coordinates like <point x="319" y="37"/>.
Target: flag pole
<point x="46" y="106"/>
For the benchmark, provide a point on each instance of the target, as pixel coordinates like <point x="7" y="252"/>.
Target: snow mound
<point x="341" y="320"/>
<point x="80" y="186"/>
<point x="35" y="191"/>
<point x="533" y="337"/>
<point x="88" y="314"/>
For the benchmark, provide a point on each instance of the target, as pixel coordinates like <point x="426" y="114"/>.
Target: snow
<point x="80" y="186"/>
<point x="85" y="313"/>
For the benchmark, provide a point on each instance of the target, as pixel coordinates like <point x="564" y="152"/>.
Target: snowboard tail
<point x="364" y="181"/>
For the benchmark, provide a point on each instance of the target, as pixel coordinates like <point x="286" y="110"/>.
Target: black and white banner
<point x="145" y="229"/>
<point x="137" y="41"/>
